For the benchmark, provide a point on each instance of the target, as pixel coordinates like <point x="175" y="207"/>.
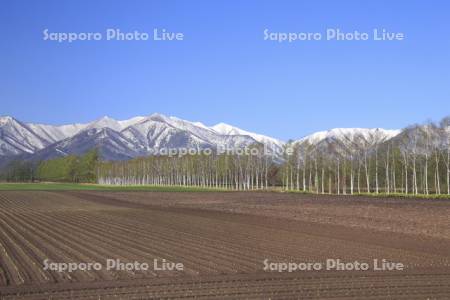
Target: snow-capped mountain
<point x="270" y="142"/>
<point x="343" y="140"/>
<point x="107" y="122"/>
<point x="111" y="144"/>
<point x="56" y="133"/>
<point x="368" y="136"/>
<point x="17" y="138"/>
<point x="141" y="136"/>
<point x="138" y="136"/>
<point x="161" y="132"/>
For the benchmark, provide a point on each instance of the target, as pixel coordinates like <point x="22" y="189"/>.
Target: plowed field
<point x="222" y="240"/>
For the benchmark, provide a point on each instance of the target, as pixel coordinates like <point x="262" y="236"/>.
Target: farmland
<point x="67" y="186"/>
<point x="221" y="239"/>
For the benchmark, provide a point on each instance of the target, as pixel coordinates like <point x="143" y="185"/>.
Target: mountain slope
<point x="137" y="136"/>
<point x="18" y="138"/>
<point x="140" y="136"/>
<point x="110" y="144"/>
<point x="56" y="133"/>
<point x="271" y="143"/>
<point x="342" y="140"/>
<point x="352" y="135"/>
<point x="160" y="132"/>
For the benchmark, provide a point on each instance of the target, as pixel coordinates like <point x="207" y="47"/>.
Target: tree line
<point x="70" y="168"/>
<point x="238" y="172"/>
<point x="417" y="161"/>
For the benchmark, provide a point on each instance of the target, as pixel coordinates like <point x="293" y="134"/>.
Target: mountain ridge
<point x="146" y="135"/>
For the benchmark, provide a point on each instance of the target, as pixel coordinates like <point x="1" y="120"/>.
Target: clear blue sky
<point x="224" y="71"/>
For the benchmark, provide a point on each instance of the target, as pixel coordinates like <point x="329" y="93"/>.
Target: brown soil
<point x="222" y="240"/>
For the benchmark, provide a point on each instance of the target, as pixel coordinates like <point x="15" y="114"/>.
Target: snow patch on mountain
<point x="369" y="135"/>
<point x="56" y="133"/>
<point x="226" y="129"/>
<point x="17" y="137"/>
